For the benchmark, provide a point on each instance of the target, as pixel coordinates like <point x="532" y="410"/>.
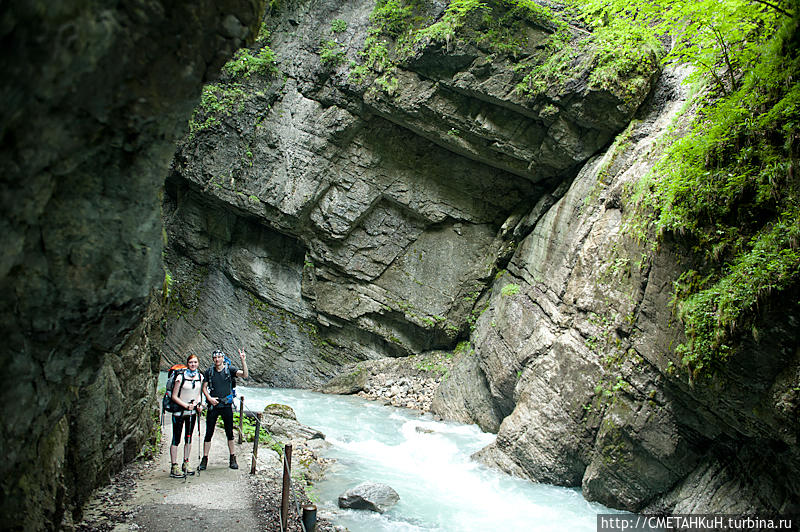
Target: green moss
<point x="620" y="57"/>
<point x="402" y="27"/>
<point x="623" y="58"/>
<point x="509" y="290"/>
<point x="216" y="101"/>
<point x="455" y="16"/>
<point x="552" y="66"/>
<point x="246" y="62"/>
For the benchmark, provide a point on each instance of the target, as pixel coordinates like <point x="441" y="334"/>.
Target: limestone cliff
<point x="94" y="96"/>
<point x="316" y="217"/>
<point x="579" y="360"/>
<point x="358" y="201"/>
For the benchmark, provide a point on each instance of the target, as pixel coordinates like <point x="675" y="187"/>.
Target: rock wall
<point x="576" y="349"/>
<point x="94" y="96"/>
<point x="318" y="221"/>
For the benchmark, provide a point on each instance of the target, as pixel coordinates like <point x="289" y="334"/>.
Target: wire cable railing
<point x="308" y="517"/>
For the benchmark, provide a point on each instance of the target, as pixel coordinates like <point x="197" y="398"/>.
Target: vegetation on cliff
<point x="728" y="191"/>
<point x="222" y="99"/>
<point x="620" y="56"/>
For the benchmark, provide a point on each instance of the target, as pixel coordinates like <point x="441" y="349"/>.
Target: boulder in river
<point x="279" y="410"/>
<point x="369" y="496"/>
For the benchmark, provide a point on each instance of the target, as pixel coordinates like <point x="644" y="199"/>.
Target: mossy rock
<point x="279" y="410"/>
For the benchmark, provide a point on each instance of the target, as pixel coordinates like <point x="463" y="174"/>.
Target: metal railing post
<point x="310" y="518"/>
<point x="287" y="484"/>
<point x="241" y="420"/>
<point x="255" y="445"/>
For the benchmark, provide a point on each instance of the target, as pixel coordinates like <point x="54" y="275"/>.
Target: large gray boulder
<point x="281" y="422"/>
<point x="371" y="496"/>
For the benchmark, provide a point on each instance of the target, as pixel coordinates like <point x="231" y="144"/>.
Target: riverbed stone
<point x="371" y="496"/>
<point x="279" y="410"/>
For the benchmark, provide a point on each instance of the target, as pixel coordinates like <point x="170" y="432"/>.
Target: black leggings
<point x="226" y="413"/>
<point x="177" y="427"/>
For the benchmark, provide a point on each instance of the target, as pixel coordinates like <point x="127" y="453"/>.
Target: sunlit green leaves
<point x="719" y="37"/>
<point x="728" y="191"/>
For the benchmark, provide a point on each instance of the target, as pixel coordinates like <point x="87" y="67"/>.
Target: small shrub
<point x="245" y="63"/>
<point x="331" y="53"/>
<point x="509" y="290"/>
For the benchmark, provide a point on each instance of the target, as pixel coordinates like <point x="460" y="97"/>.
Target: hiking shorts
<point x="178" y="422"/>
<point x="226" y="413"/>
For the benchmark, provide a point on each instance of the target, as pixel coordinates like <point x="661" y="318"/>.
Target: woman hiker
<point x="187" y="395"/>
<point x="218" y="389"/>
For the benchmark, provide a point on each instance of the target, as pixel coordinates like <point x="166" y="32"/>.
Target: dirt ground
<point x="144" y="497"/>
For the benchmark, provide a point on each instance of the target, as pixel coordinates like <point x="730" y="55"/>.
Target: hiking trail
<point x="216" y="498"/>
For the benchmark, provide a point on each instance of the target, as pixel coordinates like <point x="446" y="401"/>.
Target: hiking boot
<point x="234" y="465"/>
<point x="203" y="463"/>
<point x="186" y="470"/>
<point x="176" y="472"/>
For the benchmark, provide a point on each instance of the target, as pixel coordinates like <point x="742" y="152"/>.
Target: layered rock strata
<point x="576" y="352"/>
<point x="320" y="221"/>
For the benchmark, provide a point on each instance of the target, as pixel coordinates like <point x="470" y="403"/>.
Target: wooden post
<point x="287" y="484"/>
<point x="310" y="518"/>
<point x="255" y="445"/>
<point x="241" y="420"/>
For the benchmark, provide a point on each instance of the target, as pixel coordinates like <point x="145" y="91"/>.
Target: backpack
<point x="167" y="404"/>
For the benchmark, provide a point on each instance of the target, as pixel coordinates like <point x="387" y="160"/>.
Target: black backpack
<point x="167" y="404"/>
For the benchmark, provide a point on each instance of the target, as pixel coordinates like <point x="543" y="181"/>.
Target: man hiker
<point x="218" y="390"/>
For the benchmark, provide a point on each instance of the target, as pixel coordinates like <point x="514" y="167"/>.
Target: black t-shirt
<point x="219" y="382"/>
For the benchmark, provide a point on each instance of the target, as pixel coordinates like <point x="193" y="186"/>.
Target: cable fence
<point x="307" y="518"/>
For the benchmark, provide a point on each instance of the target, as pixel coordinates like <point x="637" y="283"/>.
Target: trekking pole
<point x="199" y="440"/>
<point x="199" y="451"/>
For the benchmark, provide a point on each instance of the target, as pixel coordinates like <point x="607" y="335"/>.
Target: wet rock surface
<point x="95" y="96"/>
<point x="371" y="496"/>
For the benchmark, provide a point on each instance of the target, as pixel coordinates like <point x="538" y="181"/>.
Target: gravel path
<point x="143" y="497"/>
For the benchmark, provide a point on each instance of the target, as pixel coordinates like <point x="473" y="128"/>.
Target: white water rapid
<point x="428" y="464"/>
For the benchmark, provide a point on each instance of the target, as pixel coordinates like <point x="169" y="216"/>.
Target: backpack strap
<point x="179" y="374"/>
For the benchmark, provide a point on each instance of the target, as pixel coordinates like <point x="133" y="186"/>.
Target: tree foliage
<point x="720" y="37"/>
<point x="728" y="191"/>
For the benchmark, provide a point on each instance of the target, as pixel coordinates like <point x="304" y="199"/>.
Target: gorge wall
<point x="318" y="216"/>
<point x="94" y="96"/>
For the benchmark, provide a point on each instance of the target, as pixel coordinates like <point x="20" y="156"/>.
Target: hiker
<point x="218" y="390"/>
<point x="186" y="394"/>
